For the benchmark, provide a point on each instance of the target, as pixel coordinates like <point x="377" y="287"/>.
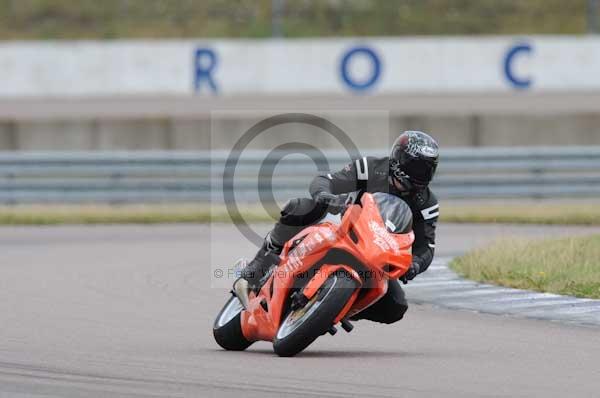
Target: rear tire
<point x="227" y="328"/>
<point x="298" y="330"/>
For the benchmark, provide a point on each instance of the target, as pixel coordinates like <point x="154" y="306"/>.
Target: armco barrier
<point x="130" y="177"/>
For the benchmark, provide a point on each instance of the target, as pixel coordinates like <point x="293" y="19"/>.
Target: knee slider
<point x="289" y="207"/>
<point x="289" y="212"/>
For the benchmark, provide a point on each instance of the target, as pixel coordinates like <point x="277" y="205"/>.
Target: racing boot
<point x="253" y="276"/>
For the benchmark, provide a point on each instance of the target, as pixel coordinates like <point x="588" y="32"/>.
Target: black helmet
<point x="413" y="159"/>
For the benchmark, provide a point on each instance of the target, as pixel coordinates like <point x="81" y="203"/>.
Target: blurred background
<point x="117" y="19"/>
<point x="132" y="100"/>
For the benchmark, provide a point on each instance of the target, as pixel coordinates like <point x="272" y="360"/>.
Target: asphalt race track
<point x="127" y="312"/>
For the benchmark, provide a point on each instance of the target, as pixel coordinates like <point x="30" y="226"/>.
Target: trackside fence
<point x="144" y="177"/>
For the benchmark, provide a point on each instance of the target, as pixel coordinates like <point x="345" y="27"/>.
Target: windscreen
<point x="396" y="214"/>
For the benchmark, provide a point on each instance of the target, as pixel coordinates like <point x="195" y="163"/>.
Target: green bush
<point x="108" y="19"/>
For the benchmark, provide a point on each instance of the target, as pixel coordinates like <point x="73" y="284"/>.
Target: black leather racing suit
<point x="372" y="175"/>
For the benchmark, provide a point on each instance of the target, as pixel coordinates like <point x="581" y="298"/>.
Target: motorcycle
<point x="328" y="273"/>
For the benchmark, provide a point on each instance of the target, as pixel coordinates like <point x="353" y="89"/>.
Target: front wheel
<point x="302" y="326"/>
<point x="227" y="328"/>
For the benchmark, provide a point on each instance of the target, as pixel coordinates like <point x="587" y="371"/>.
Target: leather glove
<point x="412" y="272"/>
<point x="335" y="203"/>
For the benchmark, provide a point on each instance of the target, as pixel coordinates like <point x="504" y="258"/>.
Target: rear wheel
<point x="227" y="328"/>
<point x="302" y="326"/>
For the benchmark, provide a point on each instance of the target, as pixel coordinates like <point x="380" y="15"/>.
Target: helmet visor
<point x="419" y="171"/>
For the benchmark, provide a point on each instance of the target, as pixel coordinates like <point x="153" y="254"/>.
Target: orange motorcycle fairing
<point x="363" y="235"/>
<point x="323" y="273"/>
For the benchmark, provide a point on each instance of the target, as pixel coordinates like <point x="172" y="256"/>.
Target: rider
<point x="406" y="173"/>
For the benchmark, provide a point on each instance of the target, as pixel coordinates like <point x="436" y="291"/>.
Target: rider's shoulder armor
<point x="374" y="172"/>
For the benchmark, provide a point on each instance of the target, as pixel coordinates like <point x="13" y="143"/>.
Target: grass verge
<point x="568" y="266"/>
<point x="575" y="213"/>
<point x="528" y="213"/>
<point x="126" y="214"/>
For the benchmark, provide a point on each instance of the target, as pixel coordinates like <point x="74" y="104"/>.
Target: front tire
<point x="227" y="328"/>
<point x="302" y="326"/>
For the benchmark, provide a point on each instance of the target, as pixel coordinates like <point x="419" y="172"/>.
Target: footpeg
<point x="332" y="330"/>
<point x="346" y="325"/>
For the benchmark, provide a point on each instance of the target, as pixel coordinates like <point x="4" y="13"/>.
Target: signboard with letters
<point x="364" y="66"/>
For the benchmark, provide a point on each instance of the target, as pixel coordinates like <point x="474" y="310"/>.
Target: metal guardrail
<point x="125" y="177"/>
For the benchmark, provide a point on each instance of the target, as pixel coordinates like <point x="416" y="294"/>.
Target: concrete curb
<point x="443" y="287"/>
